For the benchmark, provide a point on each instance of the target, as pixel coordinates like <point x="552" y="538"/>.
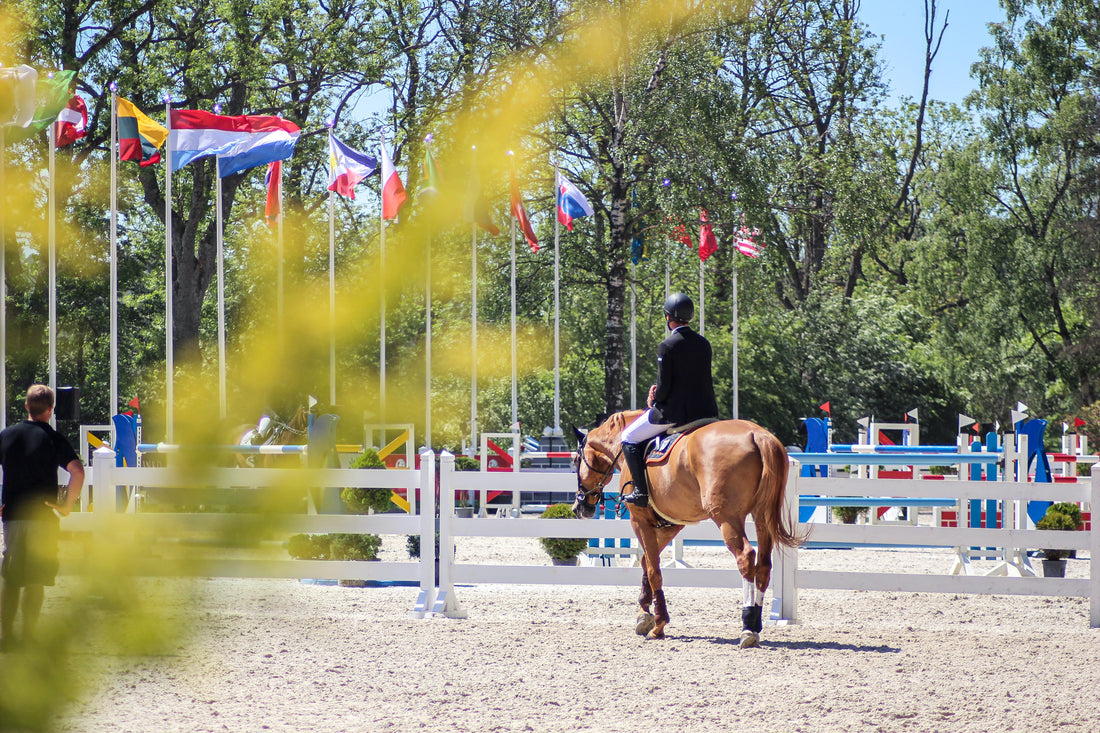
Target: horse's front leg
<point x="653" y="542"/>
<point x="733" y="532"/>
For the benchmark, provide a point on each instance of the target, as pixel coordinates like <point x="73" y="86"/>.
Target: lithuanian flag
<point x="139" y="137"/>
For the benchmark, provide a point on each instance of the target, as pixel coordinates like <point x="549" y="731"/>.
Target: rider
<point x="684" y="391"/>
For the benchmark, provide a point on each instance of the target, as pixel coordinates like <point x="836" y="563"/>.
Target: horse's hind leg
<point x="733" y="532"/>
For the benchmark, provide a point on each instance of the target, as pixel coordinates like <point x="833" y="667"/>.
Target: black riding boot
<point x="634" y="454"/>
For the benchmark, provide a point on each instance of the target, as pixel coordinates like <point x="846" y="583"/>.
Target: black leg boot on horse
<point x="634" y="455"/>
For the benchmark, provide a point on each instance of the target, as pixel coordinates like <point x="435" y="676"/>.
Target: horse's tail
<point x="768" y="510"/>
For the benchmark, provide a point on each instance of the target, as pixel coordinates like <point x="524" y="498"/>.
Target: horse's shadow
<point x="793" y="645"/>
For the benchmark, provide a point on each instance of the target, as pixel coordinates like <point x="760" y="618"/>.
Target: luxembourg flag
<point x="571" y="203"/>
<point x="240" y="141"/>
<point x="347" y="167"/>
<point x="393" y="191"/>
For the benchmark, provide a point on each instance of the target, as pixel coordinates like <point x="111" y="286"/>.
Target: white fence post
<point x="784" y="584"/>
<point x="1094" y="550"/>
<point x="426" y="596"/>
<point x="445" y="602"/>
<point x="103" y="484"/>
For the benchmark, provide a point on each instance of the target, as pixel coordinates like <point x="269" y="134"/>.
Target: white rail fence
<point x="441" y="597"/>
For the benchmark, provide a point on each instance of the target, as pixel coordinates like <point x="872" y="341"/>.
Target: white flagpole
<point x="51" y="226"/>
<point x="113" y="407"/>
<point x="170" y="366"/>
<point x="331" y="290"/>
<point x="736" y="403"/>
<point x="702" y="303"/>
<point x="280" y="253"/>
<point x="473" y="318"/>
<point x="557" y="308"/>
<point x="633" y="340"/>
<point x="382" y="325"/>
<point x="668" y="268"/>
<point x="515" y="391"/>
<point x="221" y="283"/>
<point x="428" y="345"/>
<point x="3" y="287"/>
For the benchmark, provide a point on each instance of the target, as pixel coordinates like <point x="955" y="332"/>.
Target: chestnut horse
<point x="723" y="471"/>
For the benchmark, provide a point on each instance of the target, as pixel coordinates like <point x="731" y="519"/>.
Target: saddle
<point x="658" y="448"/>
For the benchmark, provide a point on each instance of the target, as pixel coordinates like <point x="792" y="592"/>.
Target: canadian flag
<point x="72" y="122"/>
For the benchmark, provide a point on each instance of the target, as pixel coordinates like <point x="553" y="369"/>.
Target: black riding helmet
<point x="679" y="308"/>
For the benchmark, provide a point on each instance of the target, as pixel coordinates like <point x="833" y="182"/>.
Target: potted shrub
<point x="346" y="546"/>
<point x="562" y="550"/>
<point x="848" y="514"/>
<point x="309" y="546"/>
<point x="364" y="501"/>
<point x="1064" y="516"/>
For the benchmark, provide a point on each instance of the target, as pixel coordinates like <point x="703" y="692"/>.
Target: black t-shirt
<point x="31" y="452"/>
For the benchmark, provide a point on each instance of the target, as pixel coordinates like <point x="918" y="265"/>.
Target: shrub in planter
<point x="412" y="545"/>
<point x="309" y="546"/>
<point x="1064" y="516"/>
<point x="562" y="548"/>
<point x="360" y="501"/>
<point x="347" y="546"/>
<point x="848" y="514"/>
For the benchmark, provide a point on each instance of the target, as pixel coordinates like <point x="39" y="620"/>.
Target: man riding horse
<point x="684" y="391"/>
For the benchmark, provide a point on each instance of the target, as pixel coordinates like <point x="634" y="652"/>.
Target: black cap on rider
<point x="679" y="308"/>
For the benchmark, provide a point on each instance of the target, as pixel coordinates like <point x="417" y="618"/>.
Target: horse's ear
<point x="579" y="435"/>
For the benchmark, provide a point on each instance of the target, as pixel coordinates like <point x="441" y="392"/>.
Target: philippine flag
<point x="240" y="142"/>
<point x="571" y="203"/>
<point x="346" y="167"/>
<point x="393" y="192"/>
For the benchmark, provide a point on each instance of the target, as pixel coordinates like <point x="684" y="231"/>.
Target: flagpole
<point x="169" y="411"/>
<point x="557" y="309"/>
<point x="428" y="349"/>
<point x="736" y="405"/>
<point x="51" y="140"/>
<point x="473" y="320"/>
<point x="702" y="303"/>
<point x="633" y="339"/>
<point x="3" y="285"/>
<point x="331" y="289"/>
<point x="113" y="407"/>
<point x="281" y="255"/>
<point x="221" y="281"/>
<point x="515" y="395"/>
<point x="382" y="325"/>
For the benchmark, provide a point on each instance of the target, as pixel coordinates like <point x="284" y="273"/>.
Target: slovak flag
<point x="571" y="203"/>
<point x="393" y="191"/>
<point x="72" y="123"/>
<point x="347" y="167"/>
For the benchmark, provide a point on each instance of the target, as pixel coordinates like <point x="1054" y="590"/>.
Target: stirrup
<point x="638" y="498"/>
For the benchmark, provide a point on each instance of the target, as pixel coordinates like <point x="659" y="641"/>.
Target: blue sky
<point x="901" y="24"/>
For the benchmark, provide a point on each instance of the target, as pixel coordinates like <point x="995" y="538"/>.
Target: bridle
<point x="596" y="493"/>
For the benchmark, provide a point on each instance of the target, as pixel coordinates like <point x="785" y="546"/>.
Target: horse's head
<point x="595" y="463"/>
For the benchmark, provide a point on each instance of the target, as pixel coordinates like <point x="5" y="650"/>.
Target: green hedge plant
<point x="363" y="501"/>
<point x="562" y="548"/>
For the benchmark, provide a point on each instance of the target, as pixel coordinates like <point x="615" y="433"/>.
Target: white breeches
<point x="642" y="429"/>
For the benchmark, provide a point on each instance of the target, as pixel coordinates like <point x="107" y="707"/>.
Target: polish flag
<point x="393" y="191"/>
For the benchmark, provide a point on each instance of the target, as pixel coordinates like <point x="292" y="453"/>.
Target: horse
<point x="724" y="471"/>
<point x="273" y="430"/>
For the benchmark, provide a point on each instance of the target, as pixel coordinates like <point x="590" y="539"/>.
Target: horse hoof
<point x="749" y="639"/>
<point x="655" y="634"/>
<point x="645" y="624"/>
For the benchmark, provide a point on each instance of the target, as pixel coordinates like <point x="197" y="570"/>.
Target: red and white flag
<point x="393" y="191"/>
<point x="519" y="211"/>
<point x="72" y="123"/>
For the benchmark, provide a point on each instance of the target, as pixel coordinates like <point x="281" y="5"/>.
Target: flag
<point x="678" y="232"/>
<point x="347" y="167"/>
<point x="393" y="192"/>
<point x="571" y="203"/>
<point x="520" y="213"/>
<point x="72" y="123"/>
<point x="826" y="408"/>
<point x="745" y="240"/>
<point x="134" y="403"/>
<point x="431" y="174"/>
<point x="1078" y="422"/>
<point x="479" y="206"/>
<point x="708" y="244"/>
<point x="240" y="141"/>
<point x="24" y="119"/>
<point x="273" y="209"/>
<point x="139" y="137"/>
